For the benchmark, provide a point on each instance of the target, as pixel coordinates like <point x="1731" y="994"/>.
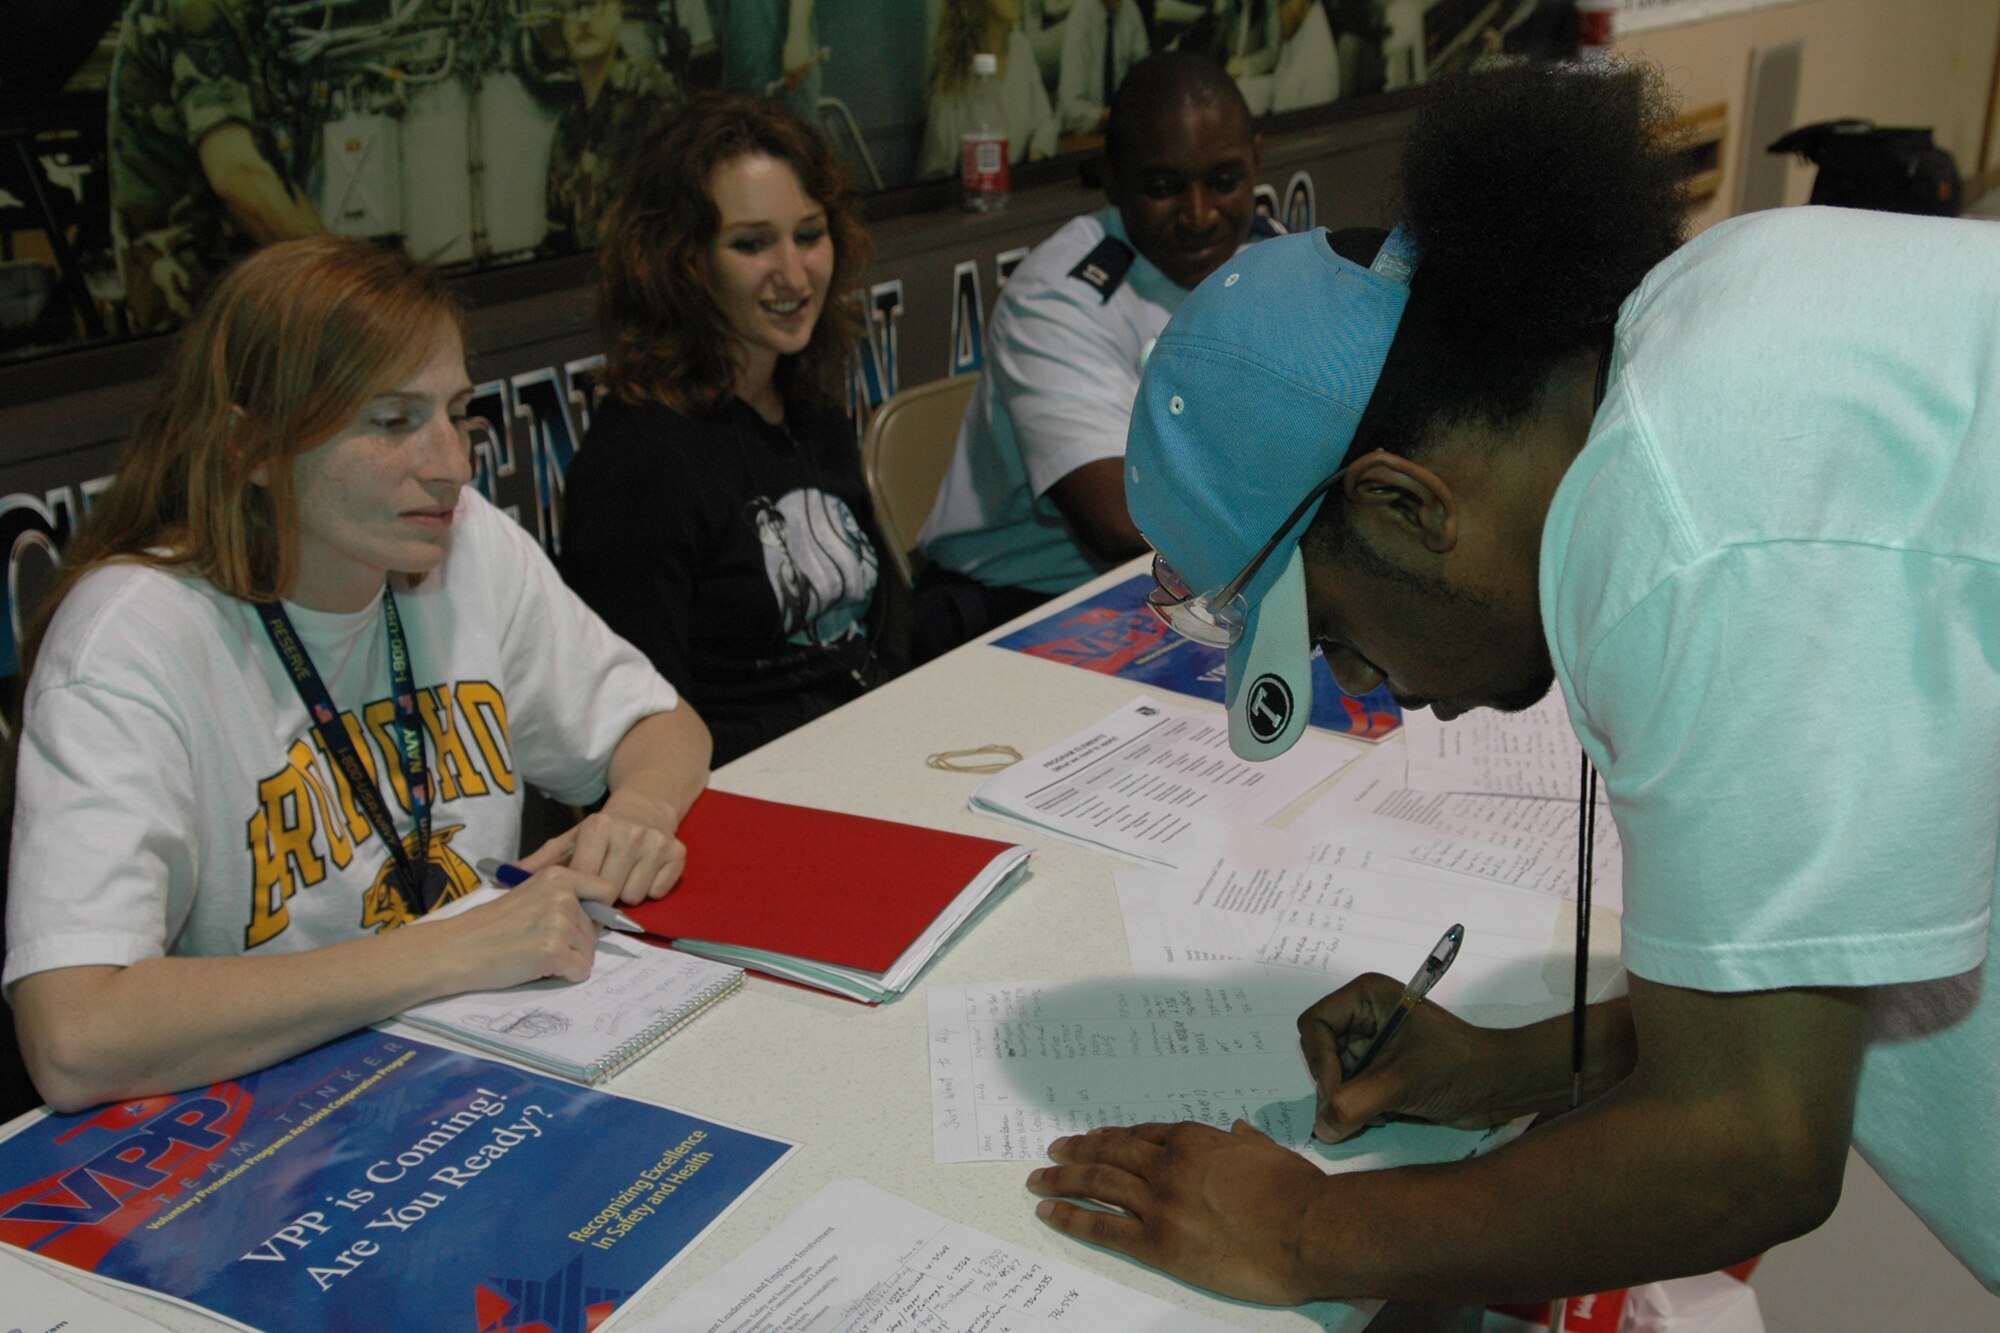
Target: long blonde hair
<point x="961" y="31"/>
<point x="287" y="349"/>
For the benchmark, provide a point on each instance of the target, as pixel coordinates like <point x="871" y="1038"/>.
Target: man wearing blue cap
<point x="1726" y="495"/>
<point x="1033" y="504"/>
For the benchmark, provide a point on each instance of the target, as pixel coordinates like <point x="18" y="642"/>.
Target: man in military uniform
<point x="771" y="47"/>
<point x="205" y="162"/>
<point x="1033" y="503"/>
<point x="618" y="98"/>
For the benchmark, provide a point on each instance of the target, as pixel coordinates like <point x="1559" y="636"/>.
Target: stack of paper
<point x="1524" y="841"/>
<point x="1155" y="782"/>
<point x="40" y="1300"/>
<point x="857" y="1259"/>
<point x="1530" y="753"/>
<point x="1017" y="1065"/>
<point x="1235" y="932"/>
<point x="1341" y="912"/>
<point x="843" y="903"/>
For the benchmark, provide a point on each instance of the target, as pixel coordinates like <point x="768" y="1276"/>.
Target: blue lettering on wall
<point x="537" y="417"/>
<point x="1265" y="199"/>
<point x="968" y="321"/>
<point x="581" y="389"/>
<point x="488" y="419"/>
<point x="542" y="415"/>
<point x="872" y="375"/>
<point x="1299" y="210"/>
<point x="33" y="531"/>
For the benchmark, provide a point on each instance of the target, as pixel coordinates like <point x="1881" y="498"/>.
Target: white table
<point x="849" y="1083"/>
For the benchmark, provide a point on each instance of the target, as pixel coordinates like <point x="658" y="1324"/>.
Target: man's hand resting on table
<point x="1231" y="1211"/>
<point x="1218" y="1209"/>
<point x="1224" y="1210"/>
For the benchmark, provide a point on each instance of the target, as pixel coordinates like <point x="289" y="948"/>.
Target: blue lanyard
<point x="411" y="871"/>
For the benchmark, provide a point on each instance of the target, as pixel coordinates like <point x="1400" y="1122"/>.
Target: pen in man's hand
<point x="507" y="875"/>
<point x="1413" y="995"/>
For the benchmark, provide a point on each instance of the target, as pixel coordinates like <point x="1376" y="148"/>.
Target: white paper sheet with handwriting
<point x="1154" y="781"/>
<point x="34" y="1300"/>
<point x="1530" y="753"/>
<point x="1340" y="911"/>
<point x="1519" y="840"/>
<point x="1016" y="1065"/>
<point x="856" y="1259"/>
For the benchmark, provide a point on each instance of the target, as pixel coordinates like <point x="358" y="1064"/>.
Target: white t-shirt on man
<point x="1771" y="585"/>
<point x="1062" y="371"/>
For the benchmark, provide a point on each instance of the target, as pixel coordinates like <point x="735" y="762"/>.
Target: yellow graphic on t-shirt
<point x="306" y="821"/>
<point x="385" y="906"/>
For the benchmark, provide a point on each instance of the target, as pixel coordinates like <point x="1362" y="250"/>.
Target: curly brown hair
<point x="669" y="340"/>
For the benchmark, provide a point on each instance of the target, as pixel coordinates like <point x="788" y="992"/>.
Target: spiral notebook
<point x="636" y="997"/>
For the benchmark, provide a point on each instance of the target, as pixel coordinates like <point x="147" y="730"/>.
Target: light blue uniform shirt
<point x="1771" y="585"/>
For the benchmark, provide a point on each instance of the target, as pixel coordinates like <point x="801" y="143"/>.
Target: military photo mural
<point x="152" y="142"/>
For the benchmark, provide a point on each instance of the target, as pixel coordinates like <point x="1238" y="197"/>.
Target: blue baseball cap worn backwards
<point x="1250" y="399"/>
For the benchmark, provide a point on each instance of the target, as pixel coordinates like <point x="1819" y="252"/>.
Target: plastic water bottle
<point x="1596" y="31"/>
<point x="982" y="152"/>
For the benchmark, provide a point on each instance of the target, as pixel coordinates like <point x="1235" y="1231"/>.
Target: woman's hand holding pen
<point x="538" y="930"/>
<point x="628" y="847"/>
<point x="543" y="926"/>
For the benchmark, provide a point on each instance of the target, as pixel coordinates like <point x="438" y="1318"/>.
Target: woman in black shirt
<point x="716" y="514"/>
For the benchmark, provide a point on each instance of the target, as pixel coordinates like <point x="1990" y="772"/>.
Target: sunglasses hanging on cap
<point x="1218" y="618"/>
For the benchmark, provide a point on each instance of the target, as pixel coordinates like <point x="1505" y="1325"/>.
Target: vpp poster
<point x="383" y="1183"/>
<point x="1115" y="634"/>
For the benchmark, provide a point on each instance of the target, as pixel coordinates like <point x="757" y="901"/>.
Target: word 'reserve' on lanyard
<point x="419" y="881"/>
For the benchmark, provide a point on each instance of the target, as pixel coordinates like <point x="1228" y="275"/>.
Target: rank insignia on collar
<point x="1104" y="268"/>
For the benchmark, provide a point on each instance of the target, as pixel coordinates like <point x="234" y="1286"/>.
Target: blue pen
<point x="507" y="875"/>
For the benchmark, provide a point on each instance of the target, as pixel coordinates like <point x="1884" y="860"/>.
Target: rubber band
<point x="951" y="761"/>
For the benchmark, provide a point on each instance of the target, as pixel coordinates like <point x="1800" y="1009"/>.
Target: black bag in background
<point x="1891" y="170"/>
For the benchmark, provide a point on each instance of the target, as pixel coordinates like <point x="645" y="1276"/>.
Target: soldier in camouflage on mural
<point x="618" y="97"/>
<point x="205" y="159"/>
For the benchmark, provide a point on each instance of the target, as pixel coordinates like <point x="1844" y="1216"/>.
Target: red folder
<point x="833" y="888"/>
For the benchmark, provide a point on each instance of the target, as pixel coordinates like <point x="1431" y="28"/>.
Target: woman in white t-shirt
<point x="287" y="694"/>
